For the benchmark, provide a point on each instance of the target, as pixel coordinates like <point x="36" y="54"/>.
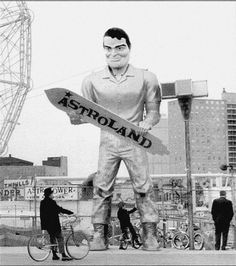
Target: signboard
<point x="14" y="188"/>
<point x="11" y="193"/>
<point x="60" y="193"/>
<point x="11" y="183"/>
<point x="91" y="112"/>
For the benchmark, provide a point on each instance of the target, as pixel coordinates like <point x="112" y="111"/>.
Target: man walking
<point x="133" y="94"/>
<point x="222" y="214"/>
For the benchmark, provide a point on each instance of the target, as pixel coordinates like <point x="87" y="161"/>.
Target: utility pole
<point x="185" y="91"/>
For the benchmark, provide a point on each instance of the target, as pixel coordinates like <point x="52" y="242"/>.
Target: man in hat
<point x="125" y="224"/>
<point x="222" y="214"/>
<point x="133" y="94"/>
<point x="49" y="217"/>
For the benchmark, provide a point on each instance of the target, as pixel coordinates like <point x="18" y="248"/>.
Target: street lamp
<point x="224" y="167"/>
<point x="185" y="103"/>
<point x="185" y="91"/>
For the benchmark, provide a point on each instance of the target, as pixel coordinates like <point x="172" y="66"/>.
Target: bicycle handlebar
<point x="69" y="219"/>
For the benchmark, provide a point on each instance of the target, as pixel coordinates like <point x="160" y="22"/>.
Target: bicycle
<point x="126" y="239"/>
<point x="181" y="239"/>
<point x="162" y="239"/>
<point x="77" y="242"/>
<point x="165" y="239"/>
<point x="115" y="234"/>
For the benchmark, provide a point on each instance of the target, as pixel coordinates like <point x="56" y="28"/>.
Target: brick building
<point x="230" y="100"/>
<point x="15" y="173"/>
<point x="208" y="136"/>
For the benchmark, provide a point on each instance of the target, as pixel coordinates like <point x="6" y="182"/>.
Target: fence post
<point x="164" y="232"/>
<point x="35" y="205"/>
<point x="113" y="233"/>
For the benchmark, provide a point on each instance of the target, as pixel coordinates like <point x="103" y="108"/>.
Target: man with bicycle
<point x="49" y="217"/>
<point x="125" y="223"/>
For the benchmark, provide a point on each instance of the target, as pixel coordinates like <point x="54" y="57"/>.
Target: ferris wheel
<point x="15" y="65"/>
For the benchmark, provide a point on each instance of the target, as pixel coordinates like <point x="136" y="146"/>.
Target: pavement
<point x="114" y="256"/>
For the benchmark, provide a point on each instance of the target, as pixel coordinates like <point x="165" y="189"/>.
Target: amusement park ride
<point x="15" y="65"/>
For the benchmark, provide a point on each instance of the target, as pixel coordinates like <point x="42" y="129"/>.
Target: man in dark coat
<point x="49" y="218"/>
<point x="125" y="223"/>
<point x="222" y="214"/>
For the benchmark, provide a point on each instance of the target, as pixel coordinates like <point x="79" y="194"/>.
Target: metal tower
<point x="15" y="65"/>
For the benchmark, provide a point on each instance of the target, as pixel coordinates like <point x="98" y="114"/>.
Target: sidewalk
<point x="114" y="256"/>
<point x="130" y="250"/>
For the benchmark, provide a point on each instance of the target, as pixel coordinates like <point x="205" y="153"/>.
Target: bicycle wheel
<point x="198" y="241"/>
<point x="137" y="243"/>
<point x="77" y="245"/>
<point x="169" y="237"/>
<point x="123" y="244"/>
<point x="114" y="240"/>
<point x="180" y="240"/>
<point x="39" y="247"/>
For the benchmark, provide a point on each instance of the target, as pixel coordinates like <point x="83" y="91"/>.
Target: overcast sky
<point x="175" y="40"/>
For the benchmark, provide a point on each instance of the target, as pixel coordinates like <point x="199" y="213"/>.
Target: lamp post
<point x="224" y="167"/>
<point x="185" y="91"/>
<point x="185" y="103"/>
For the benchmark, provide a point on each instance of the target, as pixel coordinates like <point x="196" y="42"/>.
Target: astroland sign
<point x="97" y="115"/>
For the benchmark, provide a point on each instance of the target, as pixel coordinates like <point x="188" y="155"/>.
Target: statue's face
<point x="116" y="51"/>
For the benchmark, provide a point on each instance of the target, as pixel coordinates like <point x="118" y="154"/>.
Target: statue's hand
<point x="144" y="127"/>
<point x="75" y="118"/>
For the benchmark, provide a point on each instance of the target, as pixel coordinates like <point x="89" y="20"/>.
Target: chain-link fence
<point x="20" y="206"/>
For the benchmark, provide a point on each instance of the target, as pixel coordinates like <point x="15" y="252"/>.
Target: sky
<point x="175" y="40"/>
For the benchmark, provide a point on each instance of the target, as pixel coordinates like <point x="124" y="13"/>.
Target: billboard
<point x="60" y="192"/>
<point x="14" y="188"/>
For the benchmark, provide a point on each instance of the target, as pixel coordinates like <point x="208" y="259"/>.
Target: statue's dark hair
<point x="118" y="33"/>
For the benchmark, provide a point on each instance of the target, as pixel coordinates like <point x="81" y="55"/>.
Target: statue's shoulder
<point x="94" y="75"/>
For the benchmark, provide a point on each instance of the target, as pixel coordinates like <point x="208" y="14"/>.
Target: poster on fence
<point x="14" y="188"/>
<point x="60" y="193"/>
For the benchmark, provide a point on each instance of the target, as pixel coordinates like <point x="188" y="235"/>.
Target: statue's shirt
<point x="126" y="97"/>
